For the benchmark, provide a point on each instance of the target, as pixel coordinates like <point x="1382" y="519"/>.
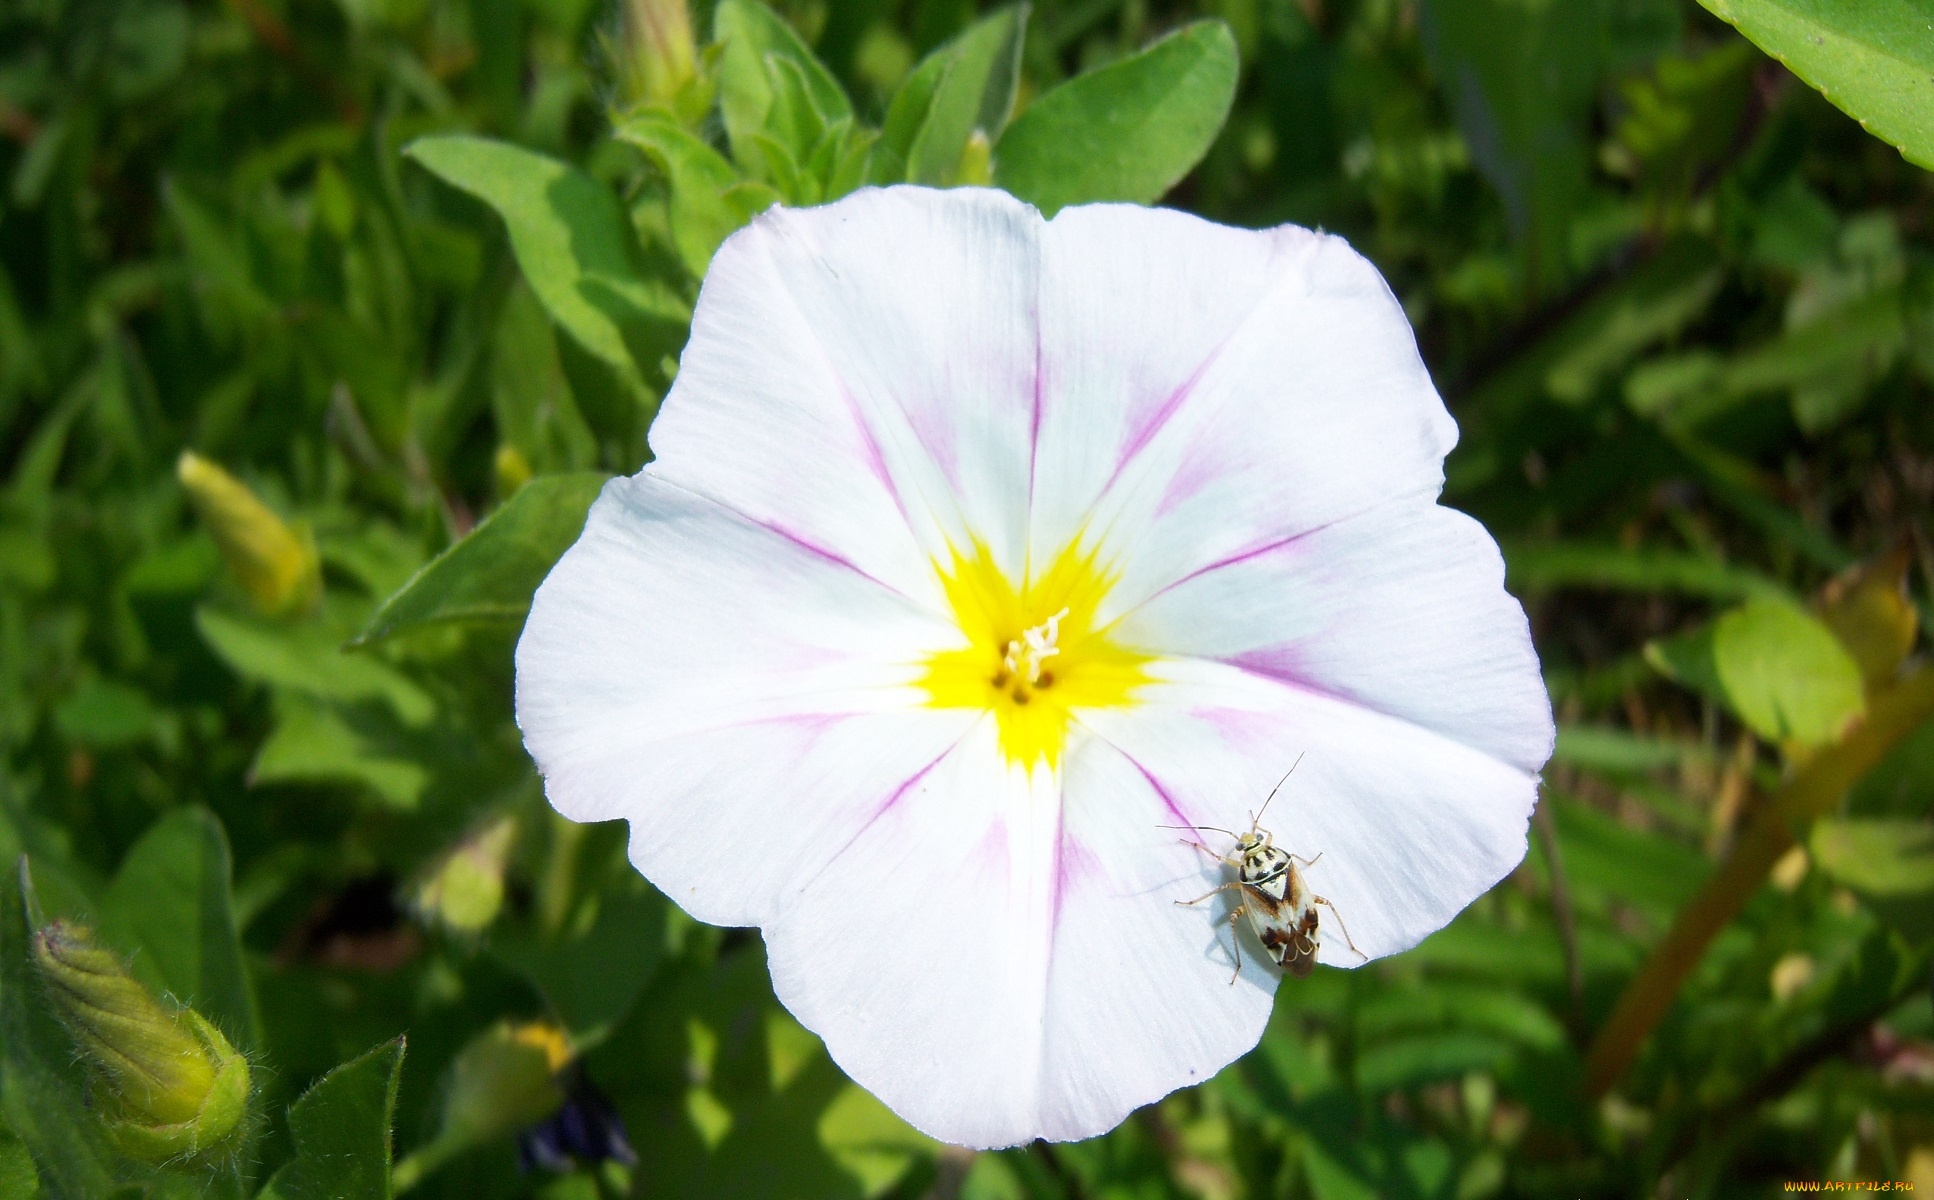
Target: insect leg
<point x="1224" y="888"/>
<point x="1235" y="942"/>
<point x="1340" y="925"/>
<point x="1308" y="862"/>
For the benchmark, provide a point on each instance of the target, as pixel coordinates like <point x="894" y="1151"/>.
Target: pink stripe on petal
<point x="888" y="805"/>
<point x="870" y="447"/>
<point x="1072" y="862"/>
<point x="1168" y="801"/>
<point x="1288" y="665"/>
<point x="1197" y="471"/>
<point x="1241" y="729"/>
<point x="819" y="551"/>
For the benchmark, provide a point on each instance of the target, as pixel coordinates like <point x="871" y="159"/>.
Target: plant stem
<point x="1815" y="789"/>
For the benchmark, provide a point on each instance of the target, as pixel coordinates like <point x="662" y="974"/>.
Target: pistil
<point x="1024" y="661"/>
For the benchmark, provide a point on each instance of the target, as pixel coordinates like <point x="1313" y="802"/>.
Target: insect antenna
<point x="1257" y="819"/>
<point x="1198" y="828"/>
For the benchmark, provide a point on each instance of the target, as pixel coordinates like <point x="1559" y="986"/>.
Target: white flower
<point x="978" y="549"/>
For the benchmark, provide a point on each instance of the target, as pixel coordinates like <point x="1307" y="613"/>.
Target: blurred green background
<point x="1681" y="305"/>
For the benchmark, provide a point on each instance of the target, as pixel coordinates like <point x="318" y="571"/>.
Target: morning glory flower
<point x="978" y="551"/>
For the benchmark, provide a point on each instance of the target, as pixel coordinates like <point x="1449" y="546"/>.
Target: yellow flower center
<point x="1035" y="652"/>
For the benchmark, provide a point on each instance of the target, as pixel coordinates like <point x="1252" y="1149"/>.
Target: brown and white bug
<point x="1273" y="894"/>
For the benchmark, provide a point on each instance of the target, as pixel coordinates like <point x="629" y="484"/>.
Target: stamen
<point x="1026" y="655"/>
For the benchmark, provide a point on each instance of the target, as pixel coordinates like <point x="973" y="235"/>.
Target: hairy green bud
<point x="169" y="1084"/>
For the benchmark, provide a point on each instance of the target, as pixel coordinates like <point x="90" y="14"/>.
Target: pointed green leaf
<point x="906" y="116"/>
<point x="753" y="36"/>
<point x="709" y="200"/>
<point x="1129" y="131"/>
<point x="310" y="660"/>
<point x="315" y="742"/>
<point x="171" y="901"/>
<point x="341" y="1128"/>
<point x="975" y="91"/>
<point x="1583" y="564"/>
<point x="491" y="574"/>
<point x="1522" y="79"/>
<point x="572" y="240"/>
<point x="1874" y="59"/>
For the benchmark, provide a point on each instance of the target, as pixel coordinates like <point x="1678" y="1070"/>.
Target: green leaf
<point x="1129" y="131"/>
<point x="1575" y="564"/>
<point x="308" y="659"/>
<point x="1619" y="751"/>
<point x="171" y="901"/>
<point x="735" y="1091"/>
<point x="906" y="116"/>
<point x="708" y="201"/>
<point x="1873" y="59"/>
<point x="1885" y="856"/>
<point x="755" y="42"/>
<point x="341" y="1128"/>
<point x="1785" y="673"/>
<point x="314" y="742"/>
<point x="1776" y="666"/>
<point x="491" y="574"/>
<point x="1888" y="861"/>
<point x="18" y="1178"/>
<point x="979" y="73"/>
<point x="572" y="240"/>
<point x="1418" y="1059"/>
<point x="42" y="1083"/>
<point x="1522" y="79"/>
<point x="864" y="1137"/>
<point x="592" y="971"/>
<point x="1656" y="301"/>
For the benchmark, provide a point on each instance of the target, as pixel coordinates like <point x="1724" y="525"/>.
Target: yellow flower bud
<point x="168" y="1083"/>
<point x="276" y="565"/>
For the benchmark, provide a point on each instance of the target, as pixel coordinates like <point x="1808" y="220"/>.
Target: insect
<point x="1273" y="894"/>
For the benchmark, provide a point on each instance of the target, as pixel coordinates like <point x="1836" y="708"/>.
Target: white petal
<point x="1140" y="1000"/>
<point x="1401" y="609"/>
<point x="862" y="375"/>
<point x="1207" y="390"/>
<point x="742" y="700"/>
<point x="1411" y="825"/>
<point x="997" y="963"/>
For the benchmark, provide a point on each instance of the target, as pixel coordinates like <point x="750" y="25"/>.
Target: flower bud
<point x="505" y="1079"/>
<point x="276" y="565"/>
<point x="661" y="57"/>
<point x="464" y="890"/>
<point x="512" y="468"/>
<point x="168" y="1083"/>
<point x="976" y="165"/>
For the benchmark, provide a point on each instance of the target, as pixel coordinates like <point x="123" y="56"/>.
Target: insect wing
<point x="1279" y="909"/>
<point x="1297" y="950"/>
<point x="1270" y="918"/>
